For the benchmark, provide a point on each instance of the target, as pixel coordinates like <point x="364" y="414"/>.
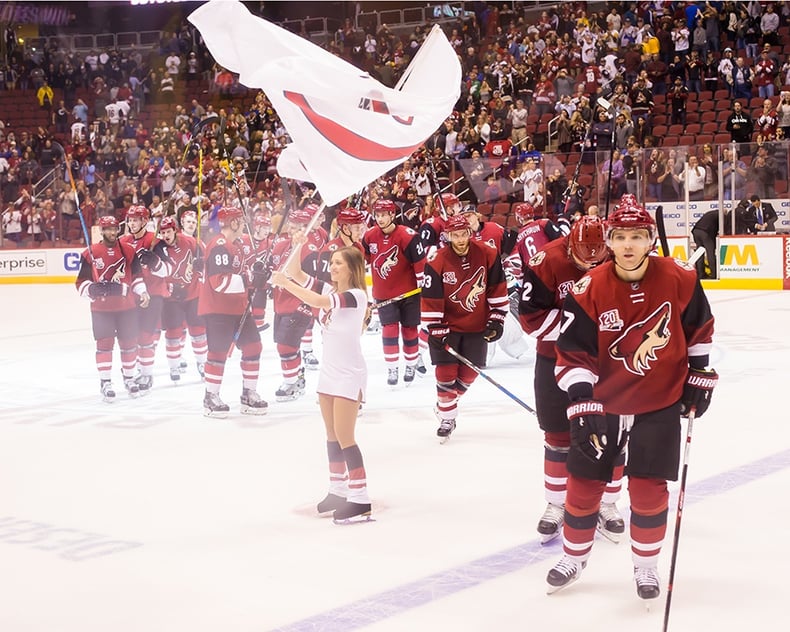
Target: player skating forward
<point x="222" y="303"/>
<point x="464" y="300"/>
<point x="342" y="381"/>
<point x="258" y="252"/>
<point x="182" y="303"/>
<point x="396" y="258"/>
<point x="548" y="277"/>
<point x="111" y="277"/>
<point x="632" y="355"/>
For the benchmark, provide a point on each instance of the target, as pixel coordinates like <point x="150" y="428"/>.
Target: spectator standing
<point x="740" y="124"/>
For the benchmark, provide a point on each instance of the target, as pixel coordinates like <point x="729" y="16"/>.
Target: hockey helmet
<point x="587" y="240"/>
<point x="108" y="221"/>
<point x="524" y="212"/>
<point x="191" y="214"/>
<point x="300" y="216"/>
<point x="450" y="203"/>
<point x="630" y="216"/>
<point x="168" y="222"/>
<point x="468" y="208"/>
<point x="385" y="206"/>
<point x="457" y="222"/>
<point x="262" y="220"/>
<point x="226" y="214"/>
<point x="138" y="211"/>
<point x="350" y="216"/>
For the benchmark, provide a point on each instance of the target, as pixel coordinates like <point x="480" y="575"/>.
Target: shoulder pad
<point x="221" y="241"/>
<point x="683" y="264"/>
<point x="410" y="231"/>
<point x="580" y="287"/>
<point x="432" y="255"/>
<point x="312" y="247"/>
<point x="537" y="258"/>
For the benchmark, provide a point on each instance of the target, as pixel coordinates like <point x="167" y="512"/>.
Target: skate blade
<point x="443" y="440"/>
<point x="545" y="538"/>
<point x="609" y="535"/>
<point x="288" y="398"/>
<point x="361" y="519"/>
<point x="249" y="410"/>
<point x="108" y="400"/>
<point x="215" y="414"/>
<point x="550" y="590"/>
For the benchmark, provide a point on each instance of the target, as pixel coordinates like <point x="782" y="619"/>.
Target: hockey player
<point x="396" y="258"/>
<point x="533" y="234"/>
<point x="317" y="238"/>
<point x="548" y="277"/>
<point x="351" y="226"/>
<point x="111" y="277"/>
<point x="464" y="300"/>
<point x="180" y="306"/>
<point x="292" y="317"/>
<point x="503" y="240"/>
<point x="632" y="355"/>
<point x="150" y="254"/>
<point x="343" y="378"/>
<point x="189" y="223"/>
<point x="261" y="243"/>
<point x="222" y="303"/>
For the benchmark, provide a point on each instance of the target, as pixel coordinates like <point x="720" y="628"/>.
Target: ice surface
<point x="144" y="516"/>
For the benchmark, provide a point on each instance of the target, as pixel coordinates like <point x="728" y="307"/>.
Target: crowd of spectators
<point x="120" y="120"/>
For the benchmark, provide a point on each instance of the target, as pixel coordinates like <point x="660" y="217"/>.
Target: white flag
<point x="347" y="128"/>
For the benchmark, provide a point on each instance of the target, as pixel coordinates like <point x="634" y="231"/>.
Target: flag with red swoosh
<point x="347" y="128"/>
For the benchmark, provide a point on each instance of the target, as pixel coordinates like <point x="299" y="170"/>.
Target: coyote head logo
<point x="470" y="291"/>
<point x="386" y="261"/>
<point x="637" y="347"/>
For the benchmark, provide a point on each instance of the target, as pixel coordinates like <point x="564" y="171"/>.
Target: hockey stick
<point x="395" y="299"/>
<point x="485" y="376"/>
<point x="84" y="225"/>
<point x="679" y="516"/>
<point x="662" y="230"/>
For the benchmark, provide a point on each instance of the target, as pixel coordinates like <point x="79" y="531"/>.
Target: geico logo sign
<point x="787" y="258"/>
<point x="71" y="261"/>
<point x="18" y="264"/>
<point x="672" y="215"/>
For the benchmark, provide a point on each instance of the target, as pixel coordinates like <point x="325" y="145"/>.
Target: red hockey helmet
<point x="300" y="216"/>
<point x="587" y="241"/>
<point x="226" y="214"/>
<point x="138" y="211"/>
<point x="630" y="216"/>
<point x="350" y="216"/>
<point x="312" y="209"/>
<point x="524" y="212"/>
<point x="108" y="221"/>
<point x="450" y="202"/>
<point x="261" y="219"/>
<point x="385" y="206"/>
<point x="457" y="222"/>
<point x="468" y="208"/>
<point x="168" y="222"/>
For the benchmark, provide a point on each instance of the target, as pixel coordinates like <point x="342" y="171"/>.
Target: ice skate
<point x="144" y="383"/>
<point x="350" y="513"/>
<point x="647" y="582"/>
<point x="175" y="375"/>
<point x="201" y="367"/>
<point x="107" y="391"/>
<point x="550" y="523"/>
<point x="392" y="376"/>
<point x="610" y="522"/>
<point x="309" y="361"/>
<point x="331" y="503"/>
<point x="213" y="406"/>
<point x="252" y="404"/>
<point x="131" y="387"/>
<point x="288" y="392"/>
<point x="374" y="326"/>
<point x="421" y="370"/>
<point x="564" y="573"/>
<point x="182" y="366"/>
<point x="445" y="429"/>
<point x="408" y="375"/>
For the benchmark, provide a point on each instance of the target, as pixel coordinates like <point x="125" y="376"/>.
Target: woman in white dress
<point x="343" y="376"/>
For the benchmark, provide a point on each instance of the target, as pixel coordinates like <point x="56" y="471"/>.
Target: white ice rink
<point x="144" y="516"/>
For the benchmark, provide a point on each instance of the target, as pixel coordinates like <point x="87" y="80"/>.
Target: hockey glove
<point x="98" y="289"/>
<point x="588" y="428"/>
<point x="116" y="289"/>
<point x="260" y="275"/>
<point x="198" y="264"/>
<point x="494" y="327"/>
<point x="148" y="258"/>
<point x="698" y="391"/>
<point x="437" y="336"/>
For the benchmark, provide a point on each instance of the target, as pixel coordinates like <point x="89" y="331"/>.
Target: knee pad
<point x="105" y="344"/>
<point x="557" y="441"/>
<point x="251" y="351"/>
<point x="649" y="496"/>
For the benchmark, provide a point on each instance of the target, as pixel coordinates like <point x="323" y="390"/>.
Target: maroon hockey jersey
<point x="461" y="291"/>
<point x="154" y="282"/>
<point x="615" y="334"/>
<point x="223" y="291"/>
<point x="116" y="264"/>
<point x="396" y="261"/>
<point x="182" y="281"/>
